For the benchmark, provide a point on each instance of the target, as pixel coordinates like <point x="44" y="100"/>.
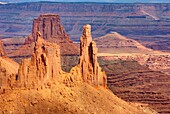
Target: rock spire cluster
<point x="44" y="67"/>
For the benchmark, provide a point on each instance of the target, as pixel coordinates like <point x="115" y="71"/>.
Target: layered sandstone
<point x="12" y="44"/>
<point x="136" y="83"/>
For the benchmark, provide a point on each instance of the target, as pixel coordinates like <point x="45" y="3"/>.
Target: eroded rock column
<point x="43" y="67"/>
<point x="90" y="69"/>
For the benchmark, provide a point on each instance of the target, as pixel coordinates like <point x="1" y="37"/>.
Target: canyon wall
<point x="147" y="23"/>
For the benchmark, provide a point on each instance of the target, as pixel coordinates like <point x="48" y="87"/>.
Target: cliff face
<point x="156" y="62"/>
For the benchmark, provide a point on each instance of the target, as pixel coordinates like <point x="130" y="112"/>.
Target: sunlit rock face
<point x="43" y="67"/>
<point x="90" y="69"/>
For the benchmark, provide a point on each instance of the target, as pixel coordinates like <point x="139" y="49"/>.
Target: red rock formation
<point x="2" y="52"/>
<point x="50" y="27"/>
<point x="90" y="69"/>
<point x="43" y="67"/>
<point x="52" y="30"/>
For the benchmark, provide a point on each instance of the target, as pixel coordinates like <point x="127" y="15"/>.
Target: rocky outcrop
<point x="43" y="67"/>
<point x="90" y="69"/>
<point x="50" y="26"/>
<point x="2" y="52"/>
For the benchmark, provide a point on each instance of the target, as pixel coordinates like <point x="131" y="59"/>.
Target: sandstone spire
<point x="43" y="67"/>
<point x="90" y="69"/>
